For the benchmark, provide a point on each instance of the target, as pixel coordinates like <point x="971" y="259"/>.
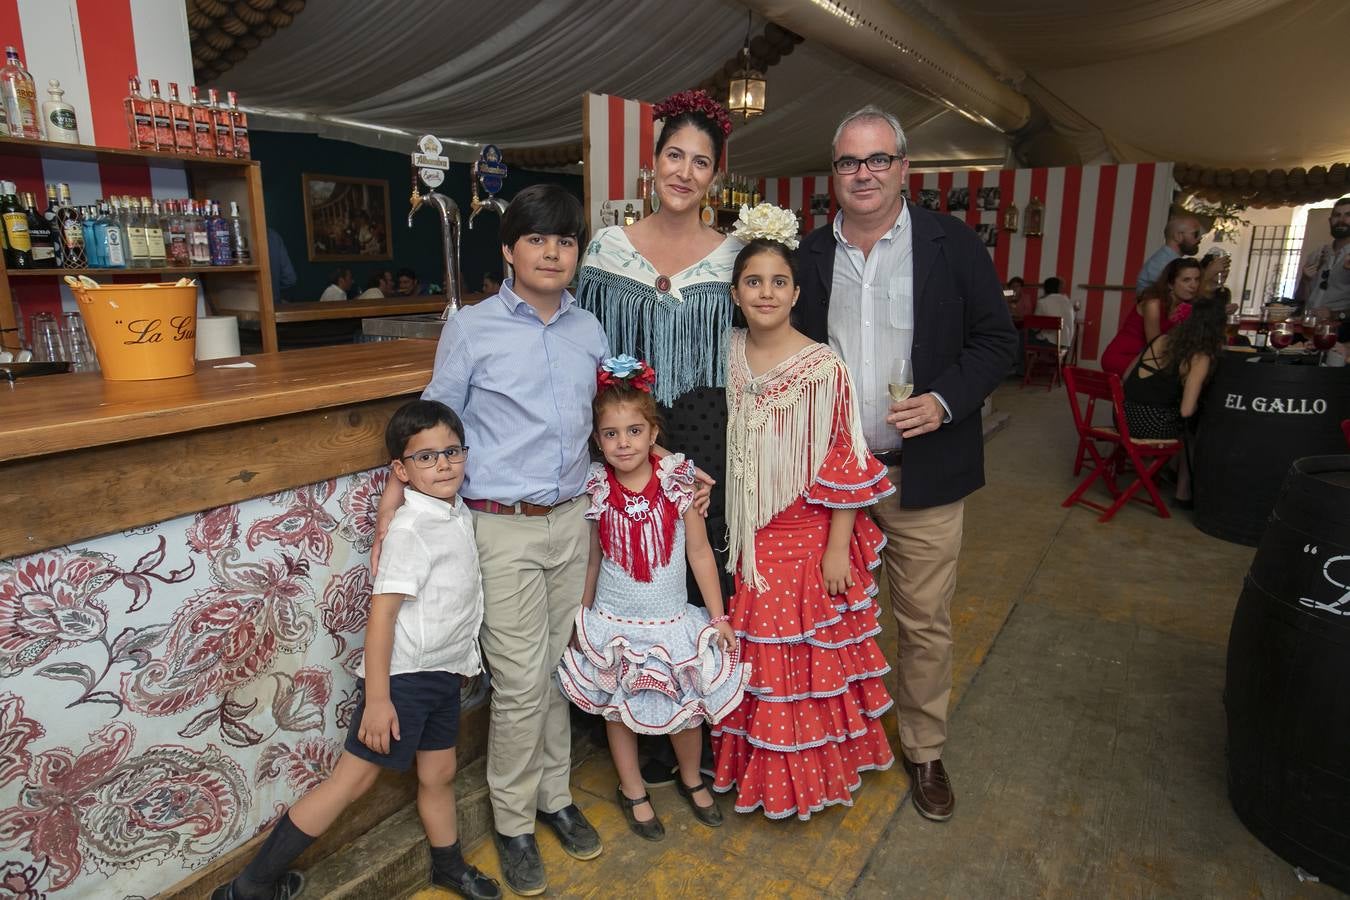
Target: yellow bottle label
<point x="16" y="230"/>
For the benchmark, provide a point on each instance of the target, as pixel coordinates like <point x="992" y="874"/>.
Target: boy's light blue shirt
<point x="523" y="388"/>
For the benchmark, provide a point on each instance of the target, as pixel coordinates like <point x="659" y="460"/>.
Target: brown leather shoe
<point x="931" y="789"/>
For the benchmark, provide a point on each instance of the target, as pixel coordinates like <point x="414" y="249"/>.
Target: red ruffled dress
<point x="810" y="720"/>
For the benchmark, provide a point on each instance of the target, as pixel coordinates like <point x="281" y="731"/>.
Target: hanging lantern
<point x="746" y="96"/>
<point x="1010" y="218"/>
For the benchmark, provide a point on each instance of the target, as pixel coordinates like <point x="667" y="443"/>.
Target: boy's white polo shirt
<point x="429" y="556"/>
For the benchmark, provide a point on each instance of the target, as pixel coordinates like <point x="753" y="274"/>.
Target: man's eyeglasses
<point x="877" y="162"/>
<point x="425" y="459"/>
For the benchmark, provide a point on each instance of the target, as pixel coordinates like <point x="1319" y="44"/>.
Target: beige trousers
<point x="534" y="571"/>
<point x="922" y="546"/>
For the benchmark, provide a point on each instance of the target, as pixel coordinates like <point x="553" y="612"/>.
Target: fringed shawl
<point x="682" y="332"/>
<point x="780" y="427"/>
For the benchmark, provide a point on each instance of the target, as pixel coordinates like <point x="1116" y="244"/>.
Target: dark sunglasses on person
<point x="877" y="162"/>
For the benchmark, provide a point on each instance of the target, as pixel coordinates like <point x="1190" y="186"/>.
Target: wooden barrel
<point x="1287" y="692"/>
<point x="1258" y="418"/>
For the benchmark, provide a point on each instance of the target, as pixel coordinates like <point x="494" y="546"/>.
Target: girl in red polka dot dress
<point x="799" y="474"/>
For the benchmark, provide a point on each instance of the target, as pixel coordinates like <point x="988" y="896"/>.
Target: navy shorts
<point x="427" y="705"/>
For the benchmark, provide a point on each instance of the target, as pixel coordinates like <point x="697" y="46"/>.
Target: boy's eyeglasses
<point x="425" y="459"/>
<point x="877" y="162"/>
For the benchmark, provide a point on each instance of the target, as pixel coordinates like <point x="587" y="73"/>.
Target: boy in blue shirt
<point x="421" y="640"/>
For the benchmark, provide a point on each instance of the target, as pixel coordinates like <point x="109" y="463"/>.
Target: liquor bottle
<point x="199" y="239"/>
<point x="58" y="116"/>
<point x="239" y="128"/>
<point x="41" y="236"/>
<point x="20" y="96"/>
<point x="112" y="237"/>
<point x="203" y="126"/>
<point x="18" y="242"/>
<point x="138" y="248"/>
<point x="93" y="252"/>
<point x="71" y="232"/>
<point x="183" y="141"/>
<point x="220" y="116"/>
<point x="176" y="236"/>
<point x="53" y="223"/>
<point x="159" y="111"/>
<point x="1262" y="339"/>
<point x="4" y="121"/>
<point x="239" y="238"/>
<point x="140" y="122"/>
<point x="222" y="252"/>
<point x="154" y="233"/>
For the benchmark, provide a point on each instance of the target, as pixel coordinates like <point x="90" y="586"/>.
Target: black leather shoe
<point x="521" y="865"/>
<point x="471" y="883"/>
<point x="708" y="815"/>
<point x="579" y="840"/>
<point x="650" y="830"/>
<point x="287" y="888"/>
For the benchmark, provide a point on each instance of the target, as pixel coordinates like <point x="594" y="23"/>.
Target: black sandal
<point x="708" y="815"/>
<point x="652" y="829"/>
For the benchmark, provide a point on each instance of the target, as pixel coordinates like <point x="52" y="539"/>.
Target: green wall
<point x="285" y="157"/>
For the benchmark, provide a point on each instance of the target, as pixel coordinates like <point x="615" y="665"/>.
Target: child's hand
<point x="379" y="726"/>
<point x="725" y="636"/>
<point x="834" y="568"/>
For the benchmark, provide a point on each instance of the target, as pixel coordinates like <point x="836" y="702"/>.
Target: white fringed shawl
<point x="779" y="430"/>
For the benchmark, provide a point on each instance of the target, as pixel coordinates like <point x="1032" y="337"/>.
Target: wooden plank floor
<point x="1086" y="741"/>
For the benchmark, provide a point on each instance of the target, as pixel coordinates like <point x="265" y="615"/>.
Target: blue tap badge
<point x="491" y="170"/>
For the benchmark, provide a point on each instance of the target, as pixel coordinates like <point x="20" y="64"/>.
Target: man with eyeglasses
<point x="1181" y="238"/>
<point x="1325" y="285"/>
<point x="888" y="280"/>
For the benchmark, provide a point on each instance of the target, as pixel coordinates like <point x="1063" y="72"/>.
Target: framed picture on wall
<point x="346" y="219"/>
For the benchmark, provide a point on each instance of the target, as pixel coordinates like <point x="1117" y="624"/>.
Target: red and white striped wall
<point x="92" y="46"/>
<point x="620" y="137"/>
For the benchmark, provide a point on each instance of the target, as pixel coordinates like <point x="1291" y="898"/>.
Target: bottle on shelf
<point x="71" y="232"/>
<point x="154" y="233"/>
<point x="222" y="252"/>
<point x="239" y="238"/>
<point x="53" y="223"/>
<point x="1262" y="338"/>
<point x="199" y="239"/>
<point x="176" y="236"/>
<point x="4" y="120"/>
<point x="203" y="125"/>
<point x="159" y="111"/>
<point x="239" y="128"/>
<point x="20" y="97"/>
<point x="18" y="242"/>
<point x="181" y="116"/>
<point x="58" y="116"/>
<point x="93" y="251"/>
<point x="140" y="121"/>
<point x="112" y="239"/>
<point x="138" y="251"/>
<point x="41" y="235"/>
<point x="224" y="127"/>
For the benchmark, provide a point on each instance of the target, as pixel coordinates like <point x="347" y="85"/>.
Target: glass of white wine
<point x="902" y="380"/>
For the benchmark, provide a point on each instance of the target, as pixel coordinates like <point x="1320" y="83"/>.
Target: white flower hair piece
<point x="768" y="222"/>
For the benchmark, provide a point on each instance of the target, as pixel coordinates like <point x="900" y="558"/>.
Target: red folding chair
<point x="1146" y="457"/>
<point x="1034" y="353"/>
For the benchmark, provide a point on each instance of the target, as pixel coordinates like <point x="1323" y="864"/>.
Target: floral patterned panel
<point x="166" y="692"/>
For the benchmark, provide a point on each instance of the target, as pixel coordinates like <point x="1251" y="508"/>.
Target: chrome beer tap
<point x="476" y="205"/>
<point x="449" y="213"/>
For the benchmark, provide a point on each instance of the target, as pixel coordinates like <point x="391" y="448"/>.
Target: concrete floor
<point x="1086" y="739"/>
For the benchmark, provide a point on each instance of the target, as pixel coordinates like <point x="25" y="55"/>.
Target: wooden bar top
<point x="356" y="309"/>
<point x="57" y="413"/>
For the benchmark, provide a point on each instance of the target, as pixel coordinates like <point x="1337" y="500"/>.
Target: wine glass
<point x="1231" y="327"/>
<point x="1324" y="338"/>
<point x="902" y="380"/>
<point x="1281" y="335"/>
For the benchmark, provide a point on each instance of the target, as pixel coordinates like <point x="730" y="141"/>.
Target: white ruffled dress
<point x="646" y="657"/>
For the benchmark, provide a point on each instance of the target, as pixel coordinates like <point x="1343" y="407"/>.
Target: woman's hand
<point x="726" y="637"/>
<point x="379" y="726"/>
<point x="834" y="568"/>
<point x="703" y="485"/>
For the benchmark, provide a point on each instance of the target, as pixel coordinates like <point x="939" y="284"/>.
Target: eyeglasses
<point x="425" y="459"/>
<point x="877" y="162"/>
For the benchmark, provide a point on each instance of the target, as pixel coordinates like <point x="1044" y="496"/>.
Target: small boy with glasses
<point x="421" y="641"/>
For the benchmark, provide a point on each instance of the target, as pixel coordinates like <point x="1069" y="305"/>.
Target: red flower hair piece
<point x="624" y="370"/>
<point x="694" y="101"/>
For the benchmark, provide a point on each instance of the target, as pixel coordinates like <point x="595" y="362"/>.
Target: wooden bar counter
<point x="184" y="584"/>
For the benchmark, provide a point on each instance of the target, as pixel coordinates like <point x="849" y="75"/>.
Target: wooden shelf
<point x="54" y="150"/>
<point x="180" y="271"/>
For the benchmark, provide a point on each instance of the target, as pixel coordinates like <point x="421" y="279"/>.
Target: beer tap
<point x="476" y="205"/>
<point x="449" y="215"/>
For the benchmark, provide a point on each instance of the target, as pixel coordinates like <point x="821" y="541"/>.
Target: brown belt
<point x="513" y="509"/>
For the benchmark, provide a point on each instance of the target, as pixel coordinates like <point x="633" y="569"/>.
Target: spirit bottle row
<point x="196" y="127"/>
<point x="119" y="232"/>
